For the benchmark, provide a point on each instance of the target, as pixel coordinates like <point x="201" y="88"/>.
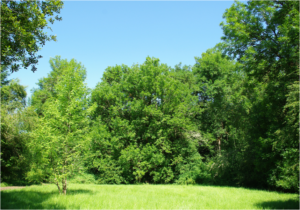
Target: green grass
<point x="85" y="196"/>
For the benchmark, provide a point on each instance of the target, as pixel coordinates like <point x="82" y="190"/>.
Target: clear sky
<point x="101" y="34"/>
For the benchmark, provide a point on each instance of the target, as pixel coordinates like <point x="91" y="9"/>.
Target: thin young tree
<point x="58" y="141"/>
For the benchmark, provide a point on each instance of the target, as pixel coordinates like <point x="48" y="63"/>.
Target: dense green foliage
<point x="87" y="196"/>
<point x="143" y="128"/>
<point x="231" y="119"/>
<point x="22" y="35"/>
<point x="264" y="36"/>
<point x="16" y="123"/>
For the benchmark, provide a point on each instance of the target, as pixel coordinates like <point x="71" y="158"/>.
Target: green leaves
<point x="16" y="124"/>
<point x="61" y="135"/>
<point x="146" y="111"/>
<point x="22" y="35"/>
<point x="262" y="36"/>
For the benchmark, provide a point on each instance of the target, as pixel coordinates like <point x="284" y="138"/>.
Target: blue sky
<point x="101" y="34"/>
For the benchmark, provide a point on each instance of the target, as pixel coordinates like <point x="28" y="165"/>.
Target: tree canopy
<point x="22" y="31"/>
<point x="146" y="115"/>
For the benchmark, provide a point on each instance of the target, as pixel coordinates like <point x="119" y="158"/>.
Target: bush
<point x="83" y="178"/>
<point x="4" y="184"/>
<point x="194" y="171"/>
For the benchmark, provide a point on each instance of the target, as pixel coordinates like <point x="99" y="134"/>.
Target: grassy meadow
<point x="85" y="196"/>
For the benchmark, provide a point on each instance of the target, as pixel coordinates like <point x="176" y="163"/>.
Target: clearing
<point x="89" y="196"/>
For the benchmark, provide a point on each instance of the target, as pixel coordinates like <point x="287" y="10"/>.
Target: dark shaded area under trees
<point x="231" y="119"/>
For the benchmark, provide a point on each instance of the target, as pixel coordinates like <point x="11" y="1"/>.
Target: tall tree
<point x="264" y="37"/>
<point x="213" y="73"/>
<point x="60" y="137"/>
<point x="147" y="135"/>
<point x="220" y="94"/>
<point x="22" y="35"/>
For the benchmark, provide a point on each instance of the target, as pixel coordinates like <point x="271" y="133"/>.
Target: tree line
<point x="230" y="119"/>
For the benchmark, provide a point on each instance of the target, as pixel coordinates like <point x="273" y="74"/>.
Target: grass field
<point x="84" y="196"/>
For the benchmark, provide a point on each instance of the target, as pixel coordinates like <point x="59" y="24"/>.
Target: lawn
<point x="84" y="196"/>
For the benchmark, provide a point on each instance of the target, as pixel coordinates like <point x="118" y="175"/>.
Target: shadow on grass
<point x="288" y="204"/>
<point x="13" y="199"/>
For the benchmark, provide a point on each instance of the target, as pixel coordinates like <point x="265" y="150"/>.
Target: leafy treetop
<point x="22" y="24"/>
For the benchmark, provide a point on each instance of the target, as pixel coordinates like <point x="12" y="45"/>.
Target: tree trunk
<point x="64" y="184"/>
<point x="219" y="139"/>
<point x="219" y="144"/>
<point x="58" y="187"/>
